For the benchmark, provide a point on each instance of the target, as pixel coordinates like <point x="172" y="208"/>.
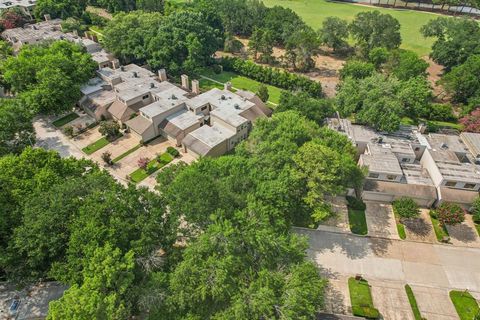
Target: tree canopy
<point x="373" y="29"/>
<point x="456" y="40"/>
<point x="47" y="77"/>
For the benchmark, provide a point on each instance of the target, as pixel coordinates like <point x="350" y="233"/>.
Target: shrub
<point x="164" y="158"/>
<point x="68" y="130"/>
<point x="143" y="163"/>
<point x="441" y="112"/>
<point x="356" y="204"/>
<point x="476" y="210"/>
<point x="110" y="129"/>
<point x="406" y="208"/>
<point x="450" y="213"/>
<point x="107" y="157"/>
<point x="366" y="312"/>
<point x="272" y="76"/>
<point x="173" y="152"/>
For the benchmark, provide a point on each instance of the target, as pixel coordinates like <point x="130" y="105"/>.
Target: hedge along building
<point x="204" y="124"/>
<point x="429" y="168"/>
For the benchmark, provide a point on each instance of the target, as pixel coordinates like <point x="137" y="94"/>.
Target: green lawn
<point x="413" y="303"/>
<point x="357" y="221"/>
<point x="466" y="305"/>
<point x="314" y="13"/>
<point x="66" y="119"/>
<point x="440" y="231"/>
<point x="126" y="153"/>
<point x="97" y="145"/>
<point x="361" y="297"/>
<point x="97" y="31"/>
<point x="400" y="227"/>
<point x="239" y="82"/>
<point x="477" y="226"/>
<point x="154" y="165"/>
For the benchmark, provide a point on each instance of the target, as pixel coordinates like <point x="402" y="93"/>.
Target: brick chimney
<point x="47" y="17"/>
<point x="185" y="84"/>
<point x="227" y="86"/>
<point x="195" y="87"/>
<point x="162" y="75"/>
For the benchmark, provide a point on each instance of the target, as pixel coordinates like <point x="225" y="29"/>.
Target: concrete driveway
<point x="339" y="221"/>
<point x="464" y="234"/>
<point x="380" y="220"/>
<point x="117" y="147"/>
<point x="420" y="229"/>
<point x="432" y="268"/>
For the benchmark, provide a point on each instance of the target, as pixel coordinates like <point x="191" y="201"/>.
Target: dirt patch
<point x="326" y="71"/>
<point x="435" y="72"/>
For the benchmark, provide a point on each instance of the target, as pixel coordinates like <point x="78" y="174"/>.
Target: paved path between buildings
<point x="431" y="269"/>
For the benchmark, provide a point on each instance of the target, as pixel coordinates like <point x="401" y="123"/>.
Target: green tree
<point x="109" y="129"/>
<point x="242" y="268"/>
<point x="415" y="95"/>
<point x="184" y="41"/>
<point x="373" y="29"/>
<point x="334" y="33"/>
<point x="456" y="40"/>
<point x="357" y="69"/>
<point x="150" y="5"/>
<point x="263" y="93"/>
<point x="314" y="109"/>
<point x="281" y="23"/>
<point x="60" y="8"/>
<point x="48" y="77"/>
<point x="261" y="42"/>
<point x="327" y="172"/>
<point x="378" y="56"/>
<point x="463" y="81"/>
<point x="127" y="35"/>
<point x="373" y="100"/>
<point x="301" y="47"/>
<point x="405" y="64"/>
<point x="16" y="130"/>
<point x="104" y="292"/>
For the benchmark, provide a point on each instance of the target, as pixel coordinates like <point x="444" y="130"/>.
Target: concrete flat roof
<point x="229" y="116"/>
<point x="446" y="142"/>
<point x="220" y="99"/>
<point x="184" y="119"/>
<point x="472" y="141"/>
<point x="212" y="136"/>
<point x="381" y="160"/>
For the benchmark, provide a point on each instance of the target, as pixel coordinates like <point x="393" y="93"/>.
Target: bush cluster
<point x="406" y="208"/>
<point x="366" y="312"/>
<point x="272" y="76"/>
<point x="450" y="213"/>
<point x="173" y="152"/>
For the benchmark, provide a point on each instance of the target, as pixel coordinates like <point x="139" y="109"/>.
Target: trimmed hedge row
<point x="366" y="312"/>
<point x="272" y="76"/>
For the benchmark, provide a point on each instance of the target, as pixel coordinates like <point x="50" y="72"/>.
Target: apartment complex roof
<point x="472" y="141"/>
<point x="5" y="4"/>
<point x="139" y="124"/>
<point x="381" y="159"/>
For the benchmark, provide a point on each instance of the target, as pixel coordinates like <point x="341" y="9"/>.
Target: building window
<point x="391" y="177"/>
<point x="469" y="185"/>
<point x="417" y="149"/>
<point x="373" y="175"/>
<point x="405" y="160"/>
<point x="450" y="183"/>
<point x="145" y="97"/>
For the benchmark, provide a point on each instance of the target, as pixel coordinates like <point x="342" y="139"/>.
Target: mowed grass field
<point x="314" y="12"/>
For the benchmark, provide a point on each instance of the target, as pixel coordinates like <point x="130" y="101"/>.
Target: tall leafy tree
<point x="16" y="130"/>
<point x="405" y="64"/>
<point x="60" y="8"/>
<point x="373" y="29"/>
<point x="463" y="81"/>
<point x="314" y="109"/>
<point x="334" y="33"/>
<point x="456" y="40"/>
<point x="301" y="47"/>
<point x="48" y="76"/>
<point x="281" y="22"/>
<point x="104" y="293"/>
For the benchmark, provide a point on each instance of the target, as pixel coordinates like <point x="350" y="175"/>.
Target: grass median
<point x="97" y="145"/>
<point x="465" y="304"/>
<point x="66" y="119"/>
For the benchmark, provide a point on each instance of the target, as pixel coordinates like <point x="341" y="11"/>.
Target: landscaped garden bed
<point x="65" y="119"/>
<point x="465" y="304"/>
<point x="446" y="214"/>
<point x="148" y="167"/>
<point x="404" y="208"/>
<point x="356" y="216"/>
<point x="413" y="303"/>
<point x="361" y="298"/>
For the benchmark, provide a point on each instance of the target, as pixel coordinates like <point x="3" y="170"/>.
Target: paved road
<point x="51" y="138"/>
<point x="432" y="270"/>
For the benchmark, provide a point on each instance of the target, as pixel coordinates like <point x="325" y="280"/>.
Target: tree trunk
<point x="394" y="2"/>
